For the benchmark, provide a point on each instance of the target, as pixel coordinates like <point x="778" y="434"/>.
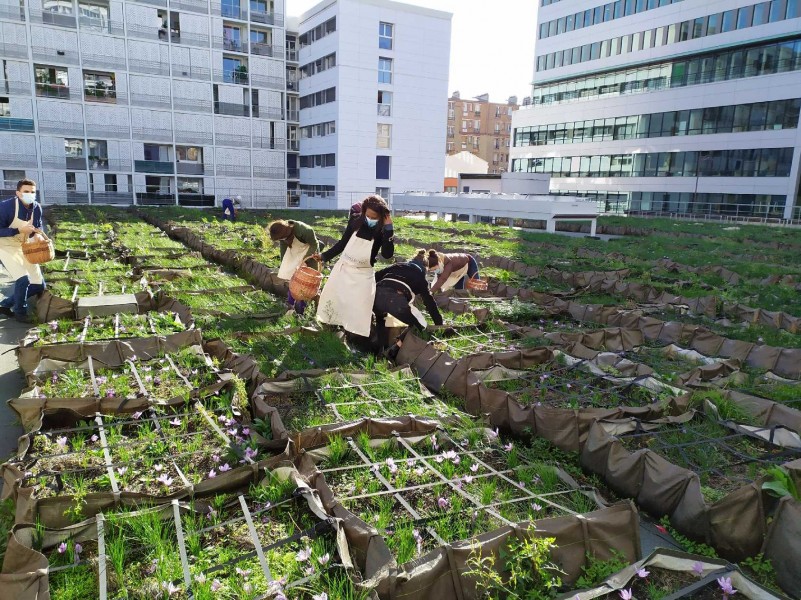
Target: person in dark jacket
<point x="297" y="242"/>
<point x="20" y="218"/>
<point x="397" y="287"/>
<point x="347" y="297"/>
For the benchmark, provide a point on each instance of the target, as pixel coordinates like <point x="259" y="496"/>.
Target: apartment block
<point x="147" y="101"/>
<point x="668" y="107"/>
<point x="372" y="76"/>
<point x="482" y="128"/>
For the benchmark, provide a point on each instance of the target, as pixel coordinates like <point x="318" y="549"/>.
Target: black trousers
<point x="389" y="301"/>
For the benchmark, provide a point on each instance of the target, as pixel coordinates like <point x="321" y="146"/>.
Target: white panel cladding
<point x="232" y="161"/>
<point x="148" y="90"/>
<point x="271" y="67"/>
<point x="17" y="71"/>
<point x="116" y="11"/>
<point x="191" y="62"/>
<point x="225" y="187"/>
<point x="102" y="51"/>
<point x="268" y="158"/>
<point x="52" y="181"/>
<point x="197" y="24"/>
<point x="48" y="41"/>
<point x="18" y="150"/>
<point x="13" y="39"/>
<point x="269" y="193"/>
<point x="231" y="93"/>
<point x="150" y="55"/>
<point x="106" y="120"/>
<point x="139" y="179"/>
<point x="119" y="150"/>
<point x="279" y="38"/>
<point x="192" y="96"/>
<point x="63" y="112"/>
<point x="153" y="125"/>
<point x="232" y="131"/>
<point x="21" y="108"/>
<point x="143" y="16"/>
<point x="193" y="128"/>
<point x="51" y="146"/>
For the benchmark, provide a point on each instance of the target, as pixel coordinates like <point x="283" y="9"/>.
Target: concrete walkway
<point x="11" y="379"/>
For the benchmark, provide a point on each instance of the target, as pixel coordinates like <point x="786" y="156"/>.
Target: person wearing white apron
<point x="452" y="270"/>
<point x="297" y="242"/>
<point x="397" y="287"/>
<point x="347" y="297"/>
<point x="20" y="217"/>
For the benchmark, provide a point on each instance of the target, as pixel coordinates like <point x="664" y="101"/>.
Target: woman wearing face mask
<point x="452" y="270"/>
<point x="347" y="297"/>
<point x="20" y="218"/>
<point x="297" y="242"/>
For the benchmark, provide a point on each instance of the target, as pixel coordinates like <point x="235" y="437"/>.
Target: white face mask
<point x="28" y="198"/>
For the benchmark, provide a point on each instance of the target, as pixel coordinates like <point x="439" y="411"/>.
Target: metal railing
<point x="74" y="163"/>
<point x="183" y="136"/>
<point x="293" y="174"/>
<point x="188" y="199"/>
<point x="292" y="55"/>
<point x="268" y="143"/>
<point x="232" y="139"/>
<point x="191" y="72"/>
<point x="222" y="43"/>
<point x="52" y="18"/>
<point x="266" y="50"/>
<point x="231" y="77"/>
<point x="148" y="67"/>
<point x="66" y="197"/>
<point x="16" y="13"/>
<point x="267" y="81"/>
<point x="293" y="145"/>
<point x="192" y="104"/>
<point x="107" y="95"/>
<point x="52" y="90"/>
<point x="103" y="62"/>
<point x="156" y="135"/>
<point x="96" y="25"/>
<point x="109" y="164"/>
<point x="154" y="100"/>
<point x="269" y="18"/>
<point x="162" y="3"/>
<point x="107" y="130"/>
<point x="291" y="86"/>
<point x="9" y="124"/>
<point x="147" y="32"/>
<point x="155" y="198"/>
<point x="230" y="12"/>
<point x="65" y="127"/>
<point x="267" y="112"/>
<point x="122" y="198"/>
<point x="231" y="108"/>
<point x="14" y="86"/>
<point x="269" y="172"/>
<point x="236" y="169"/>
<point x="187" y="38"/>
<point x="12" y="50"/>
<point x="293" y="115"/>
<point x="198" y="6"/>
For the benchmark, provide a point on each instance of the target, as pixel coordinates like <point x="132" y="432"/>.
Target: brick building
<point x="482" y="128"/>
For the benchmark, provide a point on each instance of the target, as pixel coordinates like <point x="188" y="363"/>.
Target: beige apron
<point x="11" y="252"/>
<point x="454" y="278"/>
<point x="293" y="258"/>
<point x="348" y="295"/>
<point x="391" y="321"/>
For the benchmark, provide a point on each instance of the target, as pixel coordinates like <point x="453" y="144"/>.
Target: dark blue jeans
<point x="472" y="269"/>
<point x="23" y="289"/>
<point x="298" y="305"/>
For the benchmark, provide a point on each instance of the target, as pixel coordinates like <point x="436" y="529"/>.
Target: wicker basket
<point x="39" y="251"/>
<point x="305" y="283"/>
<point x="474" y="284"/>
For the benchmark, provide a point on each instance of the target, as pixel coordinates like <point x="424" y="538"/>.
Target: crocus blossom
<point x="323" y="560"/>
<point x="216" y="585"/>
<point x="442" y="503"/>
<point x="304" y="555"/>
<point x="698" y="568"/>
<point x="225" y="467"/>
<point x="726" y="587"/>
<point x="626" y="594"/>
<point x="62" y="548"/>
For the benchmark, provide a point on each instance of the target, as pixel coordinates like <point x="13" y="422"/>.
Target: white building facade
<point x="146" y="102"/>
<point x="373" y="75"/>
<point x="683" y="107"/>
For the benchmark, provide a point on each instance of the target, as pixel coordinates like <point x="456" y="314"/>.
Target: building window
<point x="319" y="32"/>
<point x="384" y="139"/>
<point x="234" y="70"/>
<point x="5" y="107"/>
<point x="383" y="192"/>
<point x="52" y="82"/>
<point x="384" y="70"/>
<point x="382" y="164"/>
<point x="232" y="38"/>
<point x="73" y="148"/>
<point x="384" y="103"/>
<point x="385" y="31"/>
<point x="450" y="147"/>
<point x="99" y="87"/>
<point x="70" y="181"/>
<point x="318" y="98"/>
<point x="110" y="181"/>
<point x="190" y="185"/>
<point x="317" y="161"/>
<point x="98" y="153"/>
<point x="464" y="146"/>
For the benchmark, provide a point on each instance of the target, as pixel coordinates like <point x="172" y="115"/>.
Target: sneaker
<point x="23" y="318"/>
<point x="6" y="312"/>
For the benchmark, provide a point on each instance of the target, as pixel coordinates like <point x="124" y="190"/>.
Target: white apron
<point x="454" y="278"/>
<point x="391" y="321"/>
<point x="11" y="252"/>
<point x="293" y="258"/>
<point x="348" y="295"/>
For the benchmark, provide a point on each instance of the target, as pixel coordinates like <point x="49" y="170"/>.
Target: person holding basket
<point x="452" y="270"/>
<point x="348" y="295"/>
<point x="298" y="244"/>
<point x="20" y="221"/>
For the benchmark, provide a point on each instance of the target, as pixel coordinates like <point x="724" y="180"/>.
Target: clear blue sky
<point x="492" y="44"/>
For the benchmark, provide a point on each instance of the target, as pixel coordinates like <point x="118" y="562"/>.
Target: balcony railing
<point x="267" y="112"/>
<point x="162" y="3"/>
<point x="231" y="139"/>
<point x="52" y="90"/>
<point x="267" y="81"/>
<point x="9" y="124"/>
<point x="146" y="32"/>
<point x="293" y="173"/>
<point x="74" y="163"/>
<point x="198" y="6"/>
<point x="186" y="38"/>
<point x="16" y="13"/>
<point x="66" y="197"/>
<point x="221" y="43"/>
<point x="268" y="143"/>
<point x="148" y="67"/>
<point x="183" y="136"/>
<point x="154" y="166"/>
<point x="266" y="50"/>
<point x="291" y="86"/>
<point x="292" y="55"/>
<point x="191" y="72"/>
<point x="192" y="104"/>
<point x="13" y="86"/>
<point x="231" y="108"/>
<point x="122" y="198"/>
<point x="188" y="168"/>
<point x="188" y="199"/>
<point x="18" y="160"/>
<point x="230" y="11"/>
<point x="103" y="62"/>
<point x="293" y="115"/>
<point x="269" y="18"/>
<point x="153" y="100"/>
<point x="106" y="164"/>
<point x="107" y="130"/>
<point x="293" y="200"/>
<point x="65" y="127"/>
<point x="109" y="26"/>
<point x="231" y="77"/>
<point x="269" y="172"/>
<point x="12" y="50"/>
<point x="155" y="198"/>
<point x="156" y="135"/>
<point x="52" y="18"/>
<point x="107" y="95"/>
<point x="293" y="145"/>
<point x="235" y="169"/>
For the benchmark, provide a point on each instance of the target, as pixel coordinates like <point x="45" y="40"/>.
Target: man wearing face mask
<point x="347" y="297"/>
<point x="297" y="243"/>
<point x="20" y="218"/>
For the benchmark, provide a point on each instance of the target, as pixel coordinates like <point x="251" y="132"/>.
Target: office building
<point x="146" y="101"/>
<point x="372" y="78"/>
<point x="482" y="128"/>
<point x="682" y="107"/>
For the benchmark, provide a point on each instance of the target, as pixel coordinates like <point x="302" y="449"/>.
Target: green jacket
<point x="303" y="234"/>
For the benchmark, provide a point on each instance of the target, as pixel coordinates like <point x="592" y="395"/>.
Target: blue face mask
<point x="371" y="222"/>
